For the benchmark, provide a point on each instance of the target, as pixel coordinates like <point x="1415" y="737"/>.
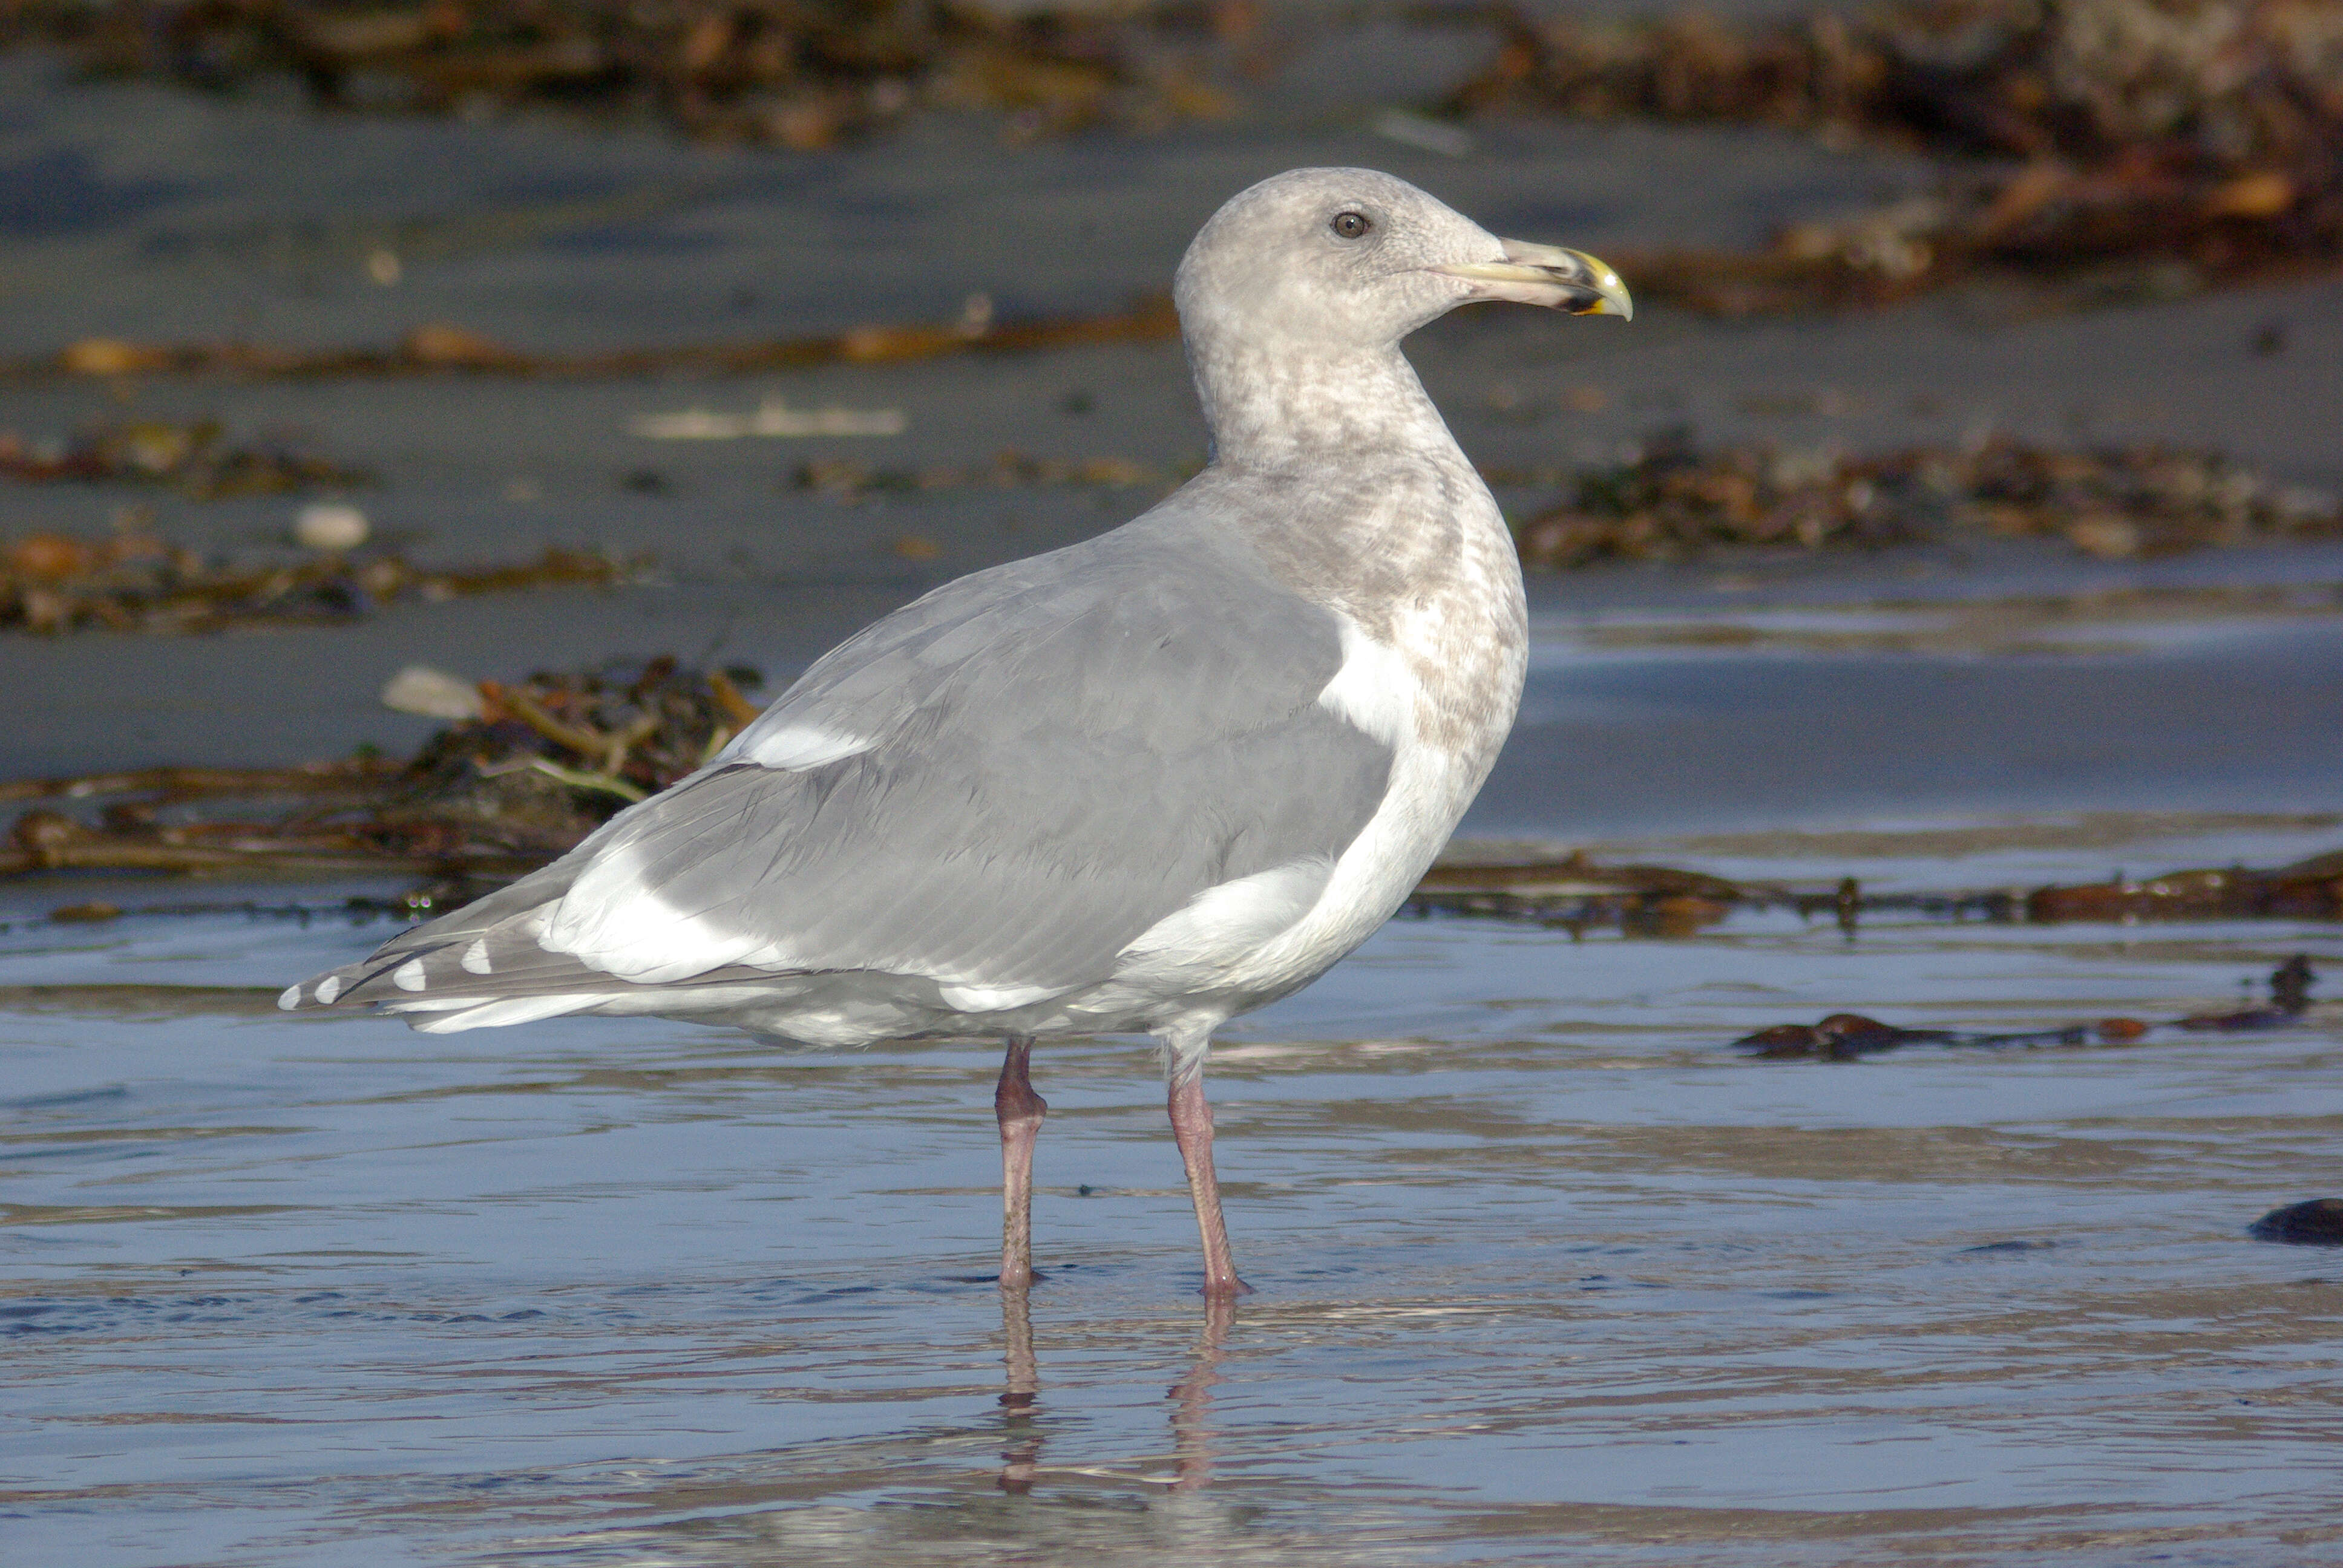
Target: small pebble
<point x="329" y="525"/>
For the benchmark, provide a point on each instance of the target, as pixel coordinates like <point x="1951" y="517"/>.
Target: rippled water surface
<point x="1543" y="1269"/>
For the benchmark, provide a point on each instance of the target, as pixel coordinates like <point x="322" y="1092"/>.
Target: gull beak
<point x="1548" y="275"/>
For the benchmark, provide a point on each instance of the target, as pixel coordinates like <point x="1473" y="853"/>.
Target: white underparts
<point x="1374" y="689"/>
<point x="1377" y="690"/>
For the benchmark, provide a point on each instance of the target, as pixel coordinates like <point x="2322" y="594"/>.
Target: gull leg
<point x="1019" y="1111"/>
<point x="1191" y="1124"/>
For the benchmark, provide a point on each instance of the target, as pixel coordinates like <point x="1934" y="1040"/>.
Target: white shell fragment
<point x="772" y="417"/>
<point x="433" y="693"/>
<point x="329" y="525"/>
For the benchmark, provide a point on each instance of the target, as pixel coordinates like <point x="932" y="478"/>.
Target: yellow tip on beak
<point x="1551" y="276"/>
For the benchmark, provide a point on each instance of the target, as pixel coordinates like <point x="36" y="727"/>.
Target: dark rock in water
<point x="2316" y="1223"/>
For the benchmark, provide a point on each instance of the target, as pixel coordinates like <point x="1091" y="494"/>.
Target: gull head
<point x="1344" y="258"/>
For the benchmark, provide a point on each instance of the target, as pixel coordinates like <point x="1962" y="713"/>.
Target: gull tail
<point x="475" y="969"/>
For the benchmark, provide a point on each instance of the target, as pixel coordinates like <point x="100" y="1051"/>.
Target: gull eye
<point x="1350" y="225"/>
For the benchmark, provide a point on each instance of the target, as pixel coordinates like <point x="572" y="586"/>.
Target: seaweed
<point x="537" y="766"/>
<point x="191" y="457"/>
<point x="1852" y="1036"/>
<point x="443" y="349"/>
<point x="136" y="581"/>
<point x="806" y="75"/>
<point x="1672" y="500"/>
<point x="2184" y="141"/>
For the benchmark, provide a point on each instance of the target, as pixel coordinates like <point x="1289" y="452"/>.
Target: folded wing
<point x="996" y="790"/>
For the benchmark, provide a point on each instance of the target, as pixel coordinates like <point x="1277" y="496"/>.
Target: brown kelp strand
<point x="802" y="75"/>
<point x="2307" y="890"/>
<point x="1673" y="501"/>
<point x="845" y="480"/>
<point x="1851" y="1036"/>
<point x="1572" y="890"/>
<point x="443" y="349"/>
<point x="535" y="767"/>
<point x="2204" y="132"/>
<point x="138" y="582"/>
<point x="194" y="459"/>
<point x="1575" y="892"/>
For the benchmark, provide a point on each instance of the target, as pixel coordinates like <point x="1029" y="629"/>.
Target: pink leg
<point x="1191" y="1124"/>
<point x="1019" y="1111"/>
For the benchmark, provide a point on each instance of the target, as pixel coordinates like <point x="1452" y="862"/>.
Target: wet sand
<point x="1545" y="1270"/>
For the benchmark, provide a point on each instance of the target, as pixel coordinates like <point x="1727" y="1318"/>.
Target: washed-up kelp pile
<point x="136" y="581"/>
<point x="2207" y="134"/>
<point x="196" y="459"/>
<point x="534" y="768"/>
<point x="1673" y="501"/>
<point x="802" y="74"/>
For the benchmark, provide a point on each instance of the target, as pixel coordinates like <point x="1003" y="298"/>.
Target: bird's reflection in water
<point x="1190" y="1397"/>
<point x="1017" y="1399"/>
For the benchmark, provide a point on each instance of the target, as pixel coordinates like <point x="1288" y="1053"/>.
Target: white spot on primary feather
<point x="476" y="958"/>
<point x="329" y="988"/>
<point x="290" y="997"/>
<point x="1373" y="690"/>
<point x="797" y="747"/>
<point x="409" y="975"/>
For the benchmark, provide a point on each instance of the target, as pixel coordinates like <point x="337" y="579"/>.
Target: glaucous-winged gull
<point x="1146" y="782"/>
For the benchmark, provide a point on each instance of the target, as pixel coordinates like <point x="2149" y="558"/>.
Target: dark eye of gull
<point x="1351" y="225"/>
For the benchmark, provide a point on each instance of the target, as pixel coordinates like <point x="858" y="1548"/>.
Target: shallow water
<point x="1543" y="1269"/>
